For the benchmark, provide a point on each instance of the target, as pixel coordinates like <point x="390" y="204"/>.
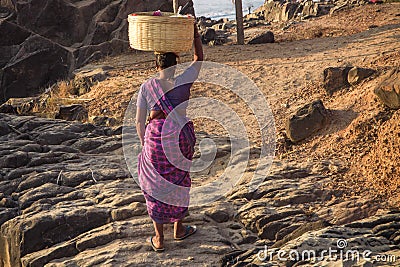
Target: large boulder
<point x="38" y="62"/>
<point x="208" y="35"/>
<point x="388" y="90"/>
<point x="21" y="237"/>
<point x="89" y="22"/>
<point x="16" y="35"/>
<point x="267" y="37"/>
<point x="306" y="121"/>
<point x="288" y="11"/>
<point x="48" y="39"/>
<point x="285" y="11"/>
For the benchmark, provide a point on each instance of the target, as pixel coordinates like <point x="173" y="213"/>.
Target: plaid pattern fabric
<point x="158" y="177"/>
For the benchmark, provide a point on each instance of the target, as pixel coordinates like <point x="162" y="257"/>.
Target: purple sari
<point x="165" y="185"/>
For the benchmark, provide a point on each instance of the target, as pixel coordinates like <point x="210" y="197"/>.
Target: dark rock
<point x="47" y="190"/>
<point x="118" y="130"/>
<point x="62" y="148"/>
<point x="386" y="226"/>
<point x="108" y="147"/>
<point x="15" y="160"/>
<point x="73" y="113"/>
<point x="267" y="37"/>
<point x="208" y="35"/>
<point x="47" y="40"/>
<point x="6" y="108"/>
<point x="39" y="62"/>
<point x="219" y="216"/>
<point x="6" y="215"/>
<point x="335" y="78"/>
<point x="75" y="178"/>
<point x="16" y="35"/>
<point x="269" y="230"/>
<point x="5" y="12"/>
<point x="306" y="227"/>
<point x="17" y="173"/>
<point x="37" y="180"/>
<point x="356" y="75"/>
<point x="55" y="138"/>
<point x="21" y="237"/>
<point x="86" y="144"/>
<point x="94" y="239"/>
<point x="284" y="11"/>
<point x="103" y="121"/>
<point x="388" y="90"/>
<point x="34" y="123"/>
<point x="4" y="128"/>
<point x="86" y="77"/>
<point x="286" y="231"/>
<point x="67" y="249"/>
<point x="348" y="211"/>
<point x="8" y="187"/>
<point x="306" y="121"/>
<point x="135" y="209"/>
<point x="8" y="203"/>
<point x="277" y="217"/>
<point x="288" y="11"/>
<point x="32" y="148"/>
<point x="24" y="106"/>
<point x="375" y="221"/>
<point x="296" y="198"/>
<point x="47" y="158"/>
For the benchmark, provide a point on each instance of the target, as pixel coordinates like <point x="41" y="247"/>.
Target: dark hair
<point x="166" y="60"/>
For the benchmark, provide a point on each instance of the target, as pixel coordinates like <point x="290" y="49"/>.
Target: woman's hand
<point x="141" y="123"/>
<point x="198" y="46"/>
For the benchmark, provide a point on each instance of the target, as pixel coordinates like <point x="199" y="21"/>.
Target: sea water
<point x="217" y="9"/>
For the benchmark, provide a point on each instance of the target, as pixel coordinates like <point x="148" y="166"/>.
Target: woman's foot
<point x="183" y="232"/>
<point x="157" y="243"/>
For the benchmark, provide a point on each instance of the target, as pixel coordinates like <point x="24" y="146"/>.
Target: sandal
<point x="188" y="232"/>
<point x="154" y="247"/>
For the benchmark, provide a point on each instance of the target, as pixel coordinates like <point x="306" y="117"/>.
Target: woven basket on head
<point x="160" y="33"/>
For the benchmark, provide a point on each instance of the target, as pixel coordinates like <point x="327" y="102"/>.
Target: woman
<point x="167" y="134"/>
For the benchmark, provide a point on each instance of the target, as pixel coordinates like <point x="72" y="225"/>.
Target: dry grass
<point x="59" y="95"/>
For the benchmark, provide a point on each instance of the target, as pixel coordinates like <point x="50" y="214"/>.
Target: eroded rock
<point x="356" y="75"/>
<point x="306" y="121"/>
<point x="388" y="90"/>
<point x="335" y="78"/>
<point x="267" y="37"/>
<point x="74" y="112"/>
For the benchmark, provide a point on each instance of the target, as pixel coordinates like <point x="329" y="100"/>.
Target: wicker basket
<point x="160" y="33"/>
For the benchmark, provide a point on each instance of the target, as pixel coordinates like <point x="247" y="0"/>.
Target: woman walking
<point x="168" y="144"/>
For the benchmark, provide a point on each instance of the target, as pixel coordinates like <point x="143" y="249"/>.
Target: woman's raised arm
<point x="198" y="46"/>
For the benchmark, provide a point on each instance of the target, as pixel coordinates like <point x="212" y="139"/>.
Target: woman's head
<point x="166" y="60"/>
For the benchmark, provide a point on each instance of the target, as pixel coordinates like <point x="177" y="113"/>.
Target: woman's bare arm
<point x="141" y="123"/>
<point x="198" y="55"/>
<point x="198" y="46"/>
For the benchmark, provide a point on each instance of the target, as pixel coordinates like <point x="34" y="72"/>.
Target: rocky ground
<point x="67" y="198"/>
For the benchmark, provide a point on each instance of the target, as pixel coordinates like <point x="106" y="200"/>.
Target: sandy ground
<point x="289" y="73"/>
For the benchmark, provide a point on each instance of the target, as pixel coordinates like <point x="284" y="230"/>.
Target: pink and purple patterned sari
<point x="166" y="184"/>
